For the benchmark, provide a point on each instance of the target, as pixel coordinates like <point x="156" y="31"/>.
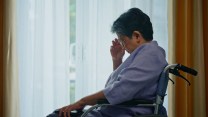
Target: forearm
<point x="116" y="64"/>
<point x="92" y="99"/>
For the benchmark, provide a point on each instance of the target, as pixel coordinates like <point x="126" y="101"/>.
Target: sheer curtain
<point x="93" y="37"/>
<point x="93" y="40"/>
<point x="44" y="52"/>
<point x="43" y="45"/>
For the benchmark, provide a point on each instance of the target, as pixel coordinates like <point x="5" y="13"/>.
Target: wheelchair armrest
<point x="128" y="103"/>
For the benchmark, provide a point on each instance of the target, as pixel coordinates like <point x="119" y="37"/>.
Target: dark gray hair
<point x="133" y="20"/>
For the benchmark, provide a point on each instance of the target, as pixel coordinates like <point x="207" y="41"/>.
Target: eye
<point x="121" y="42"/>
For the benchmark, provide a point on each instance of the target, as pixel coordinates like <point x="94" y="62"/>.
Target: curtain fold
<point x="187" y="47"/>
<point x="205" y="42"/>
<point x="11" y="87"/>
<point x="1" y="57"/>
<point x="171" y="56"/>
<point x="184" y="55"/>
<point x="43" y="56"/>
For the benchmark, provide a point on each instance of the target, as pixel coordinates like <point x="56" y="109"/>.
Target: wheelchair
<point x="160" y="94"/>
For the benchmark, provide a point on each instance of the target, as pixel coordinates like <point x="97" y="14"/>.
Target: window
<point x="63" y="48"/>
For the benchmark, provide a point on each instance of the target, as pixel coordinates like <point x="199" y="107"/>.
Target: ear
<point x="137" y="36"/>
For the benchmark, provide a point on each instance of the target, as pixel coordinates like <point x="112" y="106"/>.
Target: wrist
<point x="117" y="59"/>
<point x="116" y="63"/>
<point x="83" y="102"/>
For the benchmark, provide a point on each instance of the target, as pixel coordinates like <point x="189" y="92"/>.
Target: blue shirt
<point x="136" y="78"/>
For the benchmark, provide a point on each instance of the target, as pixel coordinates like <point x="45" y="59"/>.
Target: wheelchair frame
<point x="161" y="91"/>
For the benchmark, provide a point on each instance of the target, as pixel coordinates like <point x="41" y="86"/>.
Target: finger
<point x="116" y="42"/>
<point x="113" y="43"/>
<point x="67" y="112"/>
<point x="61" y="111"/>
<point x="119" y="43"/>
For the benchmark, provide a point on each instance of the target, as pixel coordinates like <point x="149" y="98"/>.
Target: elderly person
<point x="136" y="77"/>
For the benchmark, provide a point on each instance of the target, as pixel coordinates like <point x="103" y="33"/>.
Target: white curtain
<point x="43" y="52"/>
<point x="93" y="41"/>
<point x="93" y="37"/>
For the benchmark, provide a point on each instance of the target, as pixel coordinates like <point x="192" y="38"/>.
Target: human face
<point x="127" y="43"/>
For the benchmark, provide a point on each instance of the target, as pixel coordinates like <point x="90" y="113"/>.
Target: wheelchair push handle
<point x="187" y="69"/>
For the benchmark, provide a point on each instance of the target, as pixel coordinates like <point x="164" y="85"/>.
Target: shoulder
<point x="150" y="54"/>
<point x="152" y="49"/>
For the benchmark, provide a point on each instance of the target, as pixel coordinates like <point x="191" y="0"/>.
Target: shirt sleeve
<point x="135" y="80"/>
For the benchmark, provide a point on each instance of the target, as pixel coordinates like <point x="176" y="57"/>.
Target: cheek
<point x="127" y="48"/>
